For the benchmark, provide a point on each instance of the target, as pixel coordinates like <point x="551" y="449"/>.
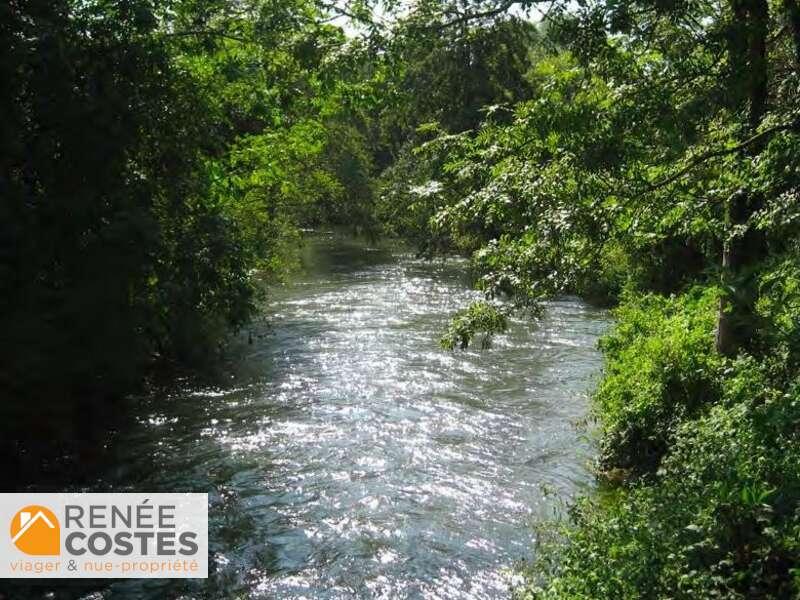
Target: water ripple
<point x="348" y="457"/>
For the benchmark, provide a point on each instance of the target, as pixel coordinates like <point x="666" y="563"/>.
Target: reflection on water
<point x="347" y="456"/>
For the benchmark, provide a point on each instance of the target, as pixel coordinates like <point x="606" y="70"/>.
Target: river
<point x="347" y="456"/>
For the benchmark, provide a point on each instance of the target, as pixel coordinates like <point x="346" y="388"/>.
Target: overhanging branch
<point x="209" y="33"/>
<point x="697" y="161"/>
<point x="486" y="14"/>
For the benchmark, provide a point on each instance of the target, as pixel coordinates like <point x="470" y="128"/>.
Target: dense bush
<point x="109" y="243"/>
<point x="661" y="369"/>
<point x="718" y="513"/>
<point x="720" y="518"/>
<point x="156" y="164"/>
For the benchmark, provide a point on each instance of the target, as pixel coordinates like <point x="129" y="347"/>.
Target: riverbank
<point x="707" y="457"/>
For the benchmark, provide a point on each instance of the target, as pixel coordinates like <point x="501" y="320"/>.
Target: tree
<point x="157" y="162"/>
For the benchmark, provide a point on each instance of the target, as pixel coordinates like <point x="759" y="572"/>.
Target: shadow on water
<point x="343" y="255"/>
<point x="346" y="456"/>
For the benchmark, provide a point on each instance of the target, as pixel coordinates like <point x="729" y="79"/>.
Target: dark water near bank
<point x="347" y="456"/>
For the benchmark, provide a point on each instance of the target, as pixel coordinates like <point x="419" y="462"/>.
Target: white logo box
<point x="113" y="535"/>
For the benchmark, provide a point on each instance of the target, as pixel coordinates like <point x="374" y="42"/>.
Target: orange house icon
<point x="35" y="530"/>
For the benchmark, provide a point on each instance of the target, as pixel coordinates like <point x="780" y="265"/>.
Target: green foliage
<point x="540" y="195"/>
<point x="778" y="307"/>
<point x="720" y="519"/>
<point x="450" y="76"/>
<point x="347" y="158"/>
<point x="104" y="206"/>
<point x="480" y="317"/>
<point x="408" y="197"/>
<point x="661" y="369"/>
<point x="710" y="450"/>
<point x="157" y="163"/>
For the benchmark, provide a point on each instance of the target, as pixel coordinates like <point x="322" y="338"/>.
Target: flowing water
<point x="347" y="456"/>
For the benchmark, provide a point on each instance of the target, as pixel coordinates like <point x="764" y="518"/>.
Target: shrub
<point x="480" y="317"/>
<point x="720" y="520"/>
<point x="660" y="370"/>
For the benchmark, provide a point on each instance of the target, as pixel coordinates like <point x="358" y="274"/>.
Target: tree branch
<point x="211" y="33"/>
<point x="793" y="126"/>
<point x="471" y="16"/>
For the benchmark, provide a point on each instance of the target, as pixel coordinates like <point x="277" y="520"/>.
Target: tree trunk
<point x="749" y="56"/>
